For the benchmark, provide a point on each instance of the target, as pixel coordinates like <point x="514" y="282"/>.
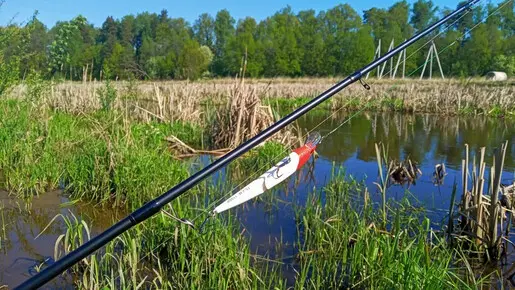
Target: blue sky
<point x="96" y="11"/>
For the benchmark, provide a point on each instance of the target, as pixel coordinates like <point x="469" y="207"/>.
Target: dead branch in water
<point x="439" y="174"/>
<point x="404" y="172"/>
<point x="183" y="150"/>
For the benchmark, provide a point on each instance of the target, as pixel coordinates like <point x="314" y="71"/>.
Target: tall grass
<point x="339" y="246"/>
<point x="164" y="254"/>
<point x="485" y="222"/>
<point x="90" y="156"/>
<point x="342" y="248"/>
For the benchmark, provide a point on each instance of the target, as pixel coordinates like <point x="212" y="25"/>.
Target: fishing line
<point x="366" y="86"/>
<point x="346" y="121"/>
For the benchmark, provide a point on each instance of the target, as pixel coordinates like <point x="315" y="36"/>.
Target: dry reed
<point x="483" y="217"/>
<point x="184" y="100"/>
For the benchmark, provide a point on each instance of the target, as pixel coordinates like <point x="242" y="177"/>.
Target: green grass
<point x="165" y="255"/>
<point x="91" y="156"/>
<point x="342" y="247"/>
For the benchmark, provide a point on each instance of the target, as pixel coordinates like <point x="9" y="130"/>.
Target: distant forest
<point x="308" y="43"/>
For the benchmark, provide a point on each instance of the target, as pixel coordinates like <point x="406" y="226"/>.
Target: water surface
<point x="425" y="139"/>
<point x="24" y="245"/>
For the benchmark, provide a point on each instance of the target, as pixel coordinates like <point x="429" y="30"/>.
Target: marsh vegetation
<point x="108" y="145"/>
<point x="92" y="127"/>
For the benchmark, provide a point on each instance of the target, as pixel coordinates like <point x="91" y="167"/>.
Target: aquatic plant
<point x="3" y="234"/>
<point x="483" y="223"/>
<point x="384" y="170"/>
<point x="242" y="118"/>
<point x="342" y="246"/>
<point x="165" y="254"/>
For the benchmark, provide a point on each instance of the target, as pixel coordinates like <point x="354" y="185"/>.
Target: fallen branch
<point x="185" y="150"/>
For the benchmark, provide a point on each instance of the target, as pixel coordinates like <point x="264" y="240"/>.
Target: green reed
<point x="164" y="254"/>
<point x="3" y="234"/>
<point x="343" y="246"/>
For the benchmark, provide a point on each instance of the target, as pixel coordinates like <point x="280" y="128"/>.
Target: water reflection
<point x="22" y="221"/>
<point x="424" y="138"/>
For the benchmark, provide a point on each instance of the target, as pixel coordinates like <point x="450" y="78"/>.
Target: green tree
<point x="343" y="26"/>
<point x="66" y="45"/>
<point x="244" y="43"/>
<point x="10" y="44"/>
<point x="108" y="37"/>
<point x="224" y="31"/>
<point x="478" y="46"/>
<point x="311" y="43"/>
<point x="36" y="51"/>
<point x="204" y="30"/>
<point x="84" y="51"/>
<point x="127" y="31"/>
<point x="332" y="42"/>
<point x="282" y="53"/>
<point x="424" y="13"/>
<point x="507" y="14"/>
<point x="192" y="61"/>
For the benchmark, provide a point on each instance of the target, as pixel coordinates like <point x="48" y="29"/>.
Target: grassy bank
<point x="112" y="161"/>
<point x="91" y="155"/>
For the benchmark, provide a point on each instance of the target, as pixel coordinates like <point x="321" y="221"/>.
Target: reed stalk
<point x="382" y="165"/>
<point x="482" y="216"/>
<point x="495" y="210"/>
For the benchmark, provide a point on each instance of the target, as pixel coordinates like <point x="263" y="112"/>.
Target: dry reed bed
<point x="183" y="100"/>
<point x="486" y="220"/>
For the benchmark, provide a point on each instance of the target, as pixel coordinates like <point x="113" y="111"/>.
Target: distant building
<point x="496" y="76"/>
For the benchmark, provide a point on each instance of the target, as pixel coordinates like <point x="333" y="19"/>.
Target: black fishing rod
<point x="154" y="206"/>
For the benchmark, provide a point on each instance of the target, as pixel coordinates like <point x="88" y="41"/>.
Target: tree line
<point x="328" y="43"/>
